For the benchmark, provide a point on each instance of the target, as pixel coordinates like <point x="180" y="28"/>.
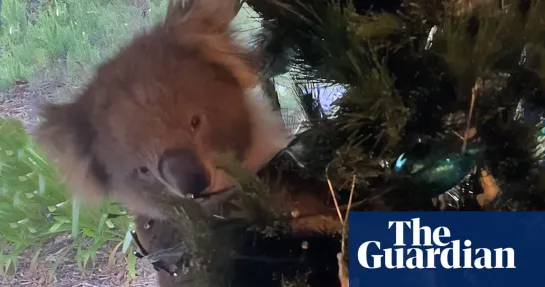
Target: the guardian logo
<point x="430" y="249"/>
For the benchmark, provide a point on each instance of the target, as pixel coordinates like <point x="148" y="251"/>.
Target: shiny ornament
<point x="458" y="196"/>
<point x="437" y="167"/>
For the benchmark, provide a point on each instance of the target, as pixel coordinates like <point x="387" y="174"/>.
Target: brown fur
<point x="141" y="103"/>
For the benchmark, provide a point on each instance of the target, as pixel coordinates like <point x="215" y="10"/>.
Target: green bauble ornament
<point x="436" y="165"/>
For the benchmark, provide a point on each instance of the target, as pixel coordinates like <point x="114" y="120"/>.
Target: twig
<point x="468" y="123"/>
<point x="333" y="195"/>
<point x="343" y="277"/>
<point x="350" y="199"/>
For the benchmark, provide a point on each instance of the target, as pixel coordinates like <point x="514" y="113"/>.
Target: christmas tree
<point x="443" y="103"/>
<point x="440" y="95"/>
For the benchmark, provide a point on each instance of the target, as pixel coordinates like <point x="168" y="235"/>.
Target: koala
<point x="151" y="123"/>
<point x="154" y="119"/>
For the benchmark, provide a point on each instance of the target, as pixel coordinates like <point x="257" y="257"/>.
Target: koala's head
<point x="151" y="123"/>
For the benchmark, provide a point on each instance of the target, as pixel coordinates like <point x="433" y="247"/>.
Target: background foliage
<point x="75" y="34"/>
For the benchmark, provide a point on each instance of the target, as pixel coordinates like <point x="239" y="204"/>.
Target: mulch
<point x="67" y="273"/>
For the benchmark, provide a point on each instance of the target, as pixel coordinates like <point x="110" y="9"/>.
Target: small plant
<point x="34" y="206"/>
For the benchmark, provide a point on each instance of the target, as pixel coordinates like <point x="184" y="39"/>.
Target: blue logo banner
<point x="446" y="249"/>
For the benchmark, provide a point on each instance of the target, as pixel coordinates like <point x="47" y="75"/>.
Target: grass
<point x="71" y="36"/>
<point x="34" y="206"/>
<point x="77" y="35"/>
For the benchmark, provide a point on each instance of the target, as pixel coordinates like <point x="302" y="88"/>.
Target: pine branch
<point x="407" y="68"/>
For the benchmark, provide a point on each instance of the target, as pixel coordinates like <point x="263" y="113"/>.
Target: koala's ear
<point x="67" y="137"/>
<point x="201" y="16"/>
<point x="205" y="25"/>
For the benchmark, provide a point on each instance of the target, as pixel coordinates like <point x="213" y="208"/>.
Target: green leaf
<point x="62" y="219"/>
<point x="86" y="259"/>
<point x="127" y="241"/>
<point x="75" y="217"/>
<point x="55" y="227"/>
<point x="90" y="233"/>
<point x="101" y="224"/>
<point x="41" y="182"/>
<point x="110" y="223"/>
<point x="131" y="265"/>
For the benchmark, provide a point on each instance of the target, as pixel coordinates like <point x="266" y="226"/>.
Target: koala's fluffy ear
<point x="202" y="16"/>
<point x="67" y="137"/>
<point x="205" y="25"/>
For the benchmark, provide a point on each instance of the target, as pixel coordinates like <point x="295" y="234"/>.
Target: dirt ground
<point x="21" y="103"/>
<point x="69" y="274"/>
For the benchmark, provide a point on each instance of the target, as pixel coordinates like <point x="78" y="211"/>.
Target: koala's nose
<point x="183" y="170"/>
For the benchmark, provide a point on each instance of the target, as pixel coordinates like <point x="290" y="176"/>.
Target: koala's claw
<point x="143" y="251"/>
<point x="157" y="263"/>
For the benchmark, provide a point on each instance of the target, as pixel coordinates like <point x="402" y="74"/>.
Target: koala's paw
<point x="176" y="260"/>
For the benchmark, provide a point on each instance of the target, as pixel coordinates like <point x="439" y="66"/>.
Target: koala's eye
<point x="195" y="123"/>
<point x="143" y="170"/>
<point x="144" y="173"/>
